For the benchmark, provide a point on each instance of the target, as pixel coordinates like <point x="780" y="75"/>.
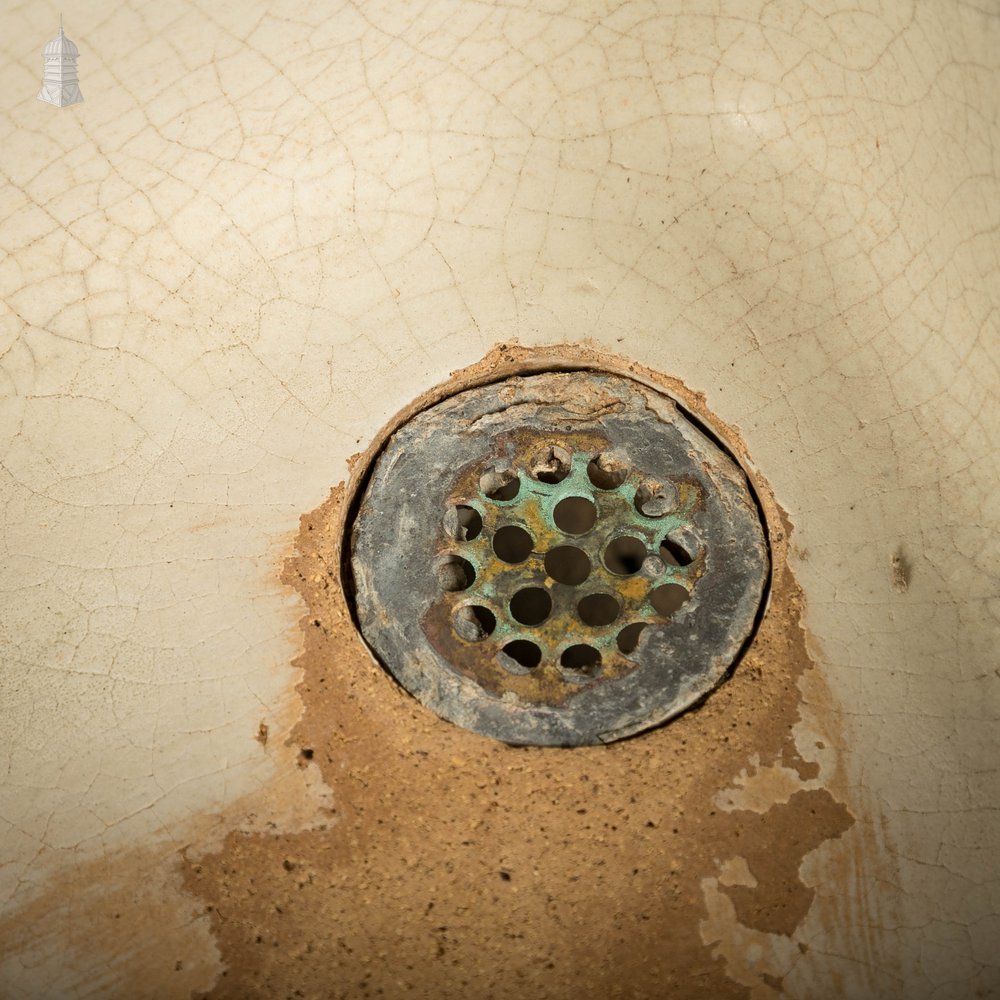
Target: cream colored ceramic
<point x="270" y="226"/>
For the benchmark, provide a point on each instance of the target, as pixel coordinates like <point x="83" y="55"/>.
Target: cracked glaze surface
<point x="271" y="226"/>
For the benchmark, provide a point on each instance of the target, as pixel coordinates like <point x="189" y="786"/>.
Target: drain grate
<point x="563" y="558"/>
<point x="560" y="573"/>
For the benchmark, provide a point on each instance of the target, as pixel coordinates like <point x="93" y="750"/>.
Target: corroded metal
<point x="458" y="602"/>
<point x="497" y="581"/>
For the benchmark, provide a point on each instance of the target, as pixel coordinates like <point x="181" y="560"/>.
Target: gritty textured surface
<point x="457" y="865"/>
<point x="440" y="458"/>
<point x="271" y="226"/>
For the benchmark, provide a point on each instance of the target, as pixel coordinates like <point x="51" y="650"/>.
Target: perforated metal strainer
<point x="564" y="558"/>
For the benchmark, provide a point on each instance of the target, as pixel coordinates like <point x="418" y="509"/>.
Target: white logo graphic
<point x="60" y="85"/>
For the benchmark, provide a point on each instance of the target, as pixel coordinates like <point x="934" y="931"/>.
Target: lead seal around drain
<point x="560" y="559"/>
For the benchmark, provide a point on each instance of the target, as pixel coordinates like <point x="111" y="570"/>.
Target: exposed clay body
<point x="457" y="866"/>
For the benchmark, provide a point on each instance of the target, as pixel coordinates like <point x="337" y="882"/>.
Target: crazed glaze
<point x="270" y="227"/>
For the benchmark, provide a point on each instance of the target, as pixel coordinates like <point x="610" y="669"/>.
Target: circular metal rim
<point x="458" y="699"/>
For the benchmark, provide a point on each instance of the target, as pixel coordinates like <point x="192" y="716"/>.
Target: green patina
<point x="632" y="582"/>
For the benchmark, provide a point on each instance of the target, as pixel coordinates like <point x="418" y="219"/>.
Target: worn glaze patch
<point x="457" y="863"/>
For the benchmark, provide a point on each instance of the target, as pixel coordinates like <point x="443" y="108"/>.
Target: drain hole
<point x="455" y="573"/>
<point x="551" y="465"/>
<point x="531" y="606"/>
<point x="499" y="484"/>
<point x="512" y="544"/>
<point x="575" y="515"/>
<point x="521" y="653"/>
<point x="598" y="609"/>
<point x="567" y="564"/>
<point x="607" y="472"/>
<point x="463" y="523"/>
<point x="565" y="532"/>
<point x="581" y="659"/>
<point x="655" y="499"/>
<point x="674" y="554"/>
<point x="628" y="637"/>
<point x="473" y="622"/>
<point x="625" y="556"/>
<point x="668" y="598"/>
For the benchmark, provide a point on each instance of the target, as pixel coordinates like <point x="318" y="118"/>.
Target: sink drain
<point x="563" y="558"/>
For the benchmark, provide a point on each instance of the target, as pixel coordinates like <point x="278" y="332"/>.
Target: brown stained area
<point x="116" y="927"/>
<point x="497" y="581"/>
<point x="807" y="819"/>
<point x="457" y="867"/>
